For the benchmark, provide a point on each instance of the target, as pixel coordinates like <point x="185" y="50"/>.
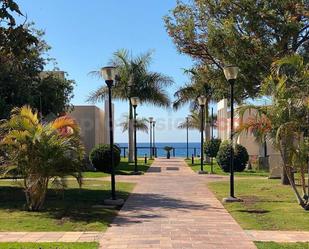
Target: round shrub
<point x="100" y="157"/>
<point x="212" y="147"/>
<point x="241" y="157"/>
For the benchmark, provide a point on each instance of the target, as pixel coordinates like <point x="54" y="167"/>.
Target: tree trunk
<point x="131" y="135"/>
<point x="35" y="191"/>
<point x="284" y="177"/>
<point x="207" y="130"/>
<point x="300" y="200"/>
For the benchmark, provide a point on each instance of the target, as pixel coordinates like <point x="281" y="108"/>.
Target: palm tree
<point x="194" y="121"/>
<point x="141" y="124"/>
<point x="136" y="80"/>
<point x="198" y="86"/>
<point x="40" y="153"/>
<point x="285" y="121"/>
<point x="258" y="124"/>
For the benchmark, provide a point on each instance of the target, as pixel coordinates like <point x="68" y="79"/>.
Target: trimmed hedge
<point x="100" y="157"/>
<point x="241" y="157"/>
<point x="212" y="147"/>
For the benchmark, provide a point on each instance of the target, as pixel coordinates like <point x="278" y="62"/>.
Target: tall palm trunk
<point x="287" y="170"/>
<point x="131" y="134"/>
<point x="207" y="129"/>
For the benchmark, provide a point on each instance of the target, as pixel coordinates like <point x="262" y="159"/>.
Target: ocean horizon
<point x="180" y="149"/>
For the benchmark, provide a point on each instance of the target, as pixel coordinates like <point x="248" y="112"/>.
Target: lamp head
<point x="151" y="119"/>
<point x="109" y="74"/>
<point x="135" y="101"/>
<point x="230" y="72"/>
<point x="202" y="100"/>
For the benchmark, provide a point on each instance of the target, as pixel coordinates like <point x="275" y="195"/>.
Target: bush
<point x="100" y="157"/>
<point x="212" y="147"/>
<point x="241" y="157"/>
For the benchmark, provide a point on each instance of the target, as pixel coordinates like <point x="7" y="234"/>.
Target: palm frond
<point x="141" y="124"/>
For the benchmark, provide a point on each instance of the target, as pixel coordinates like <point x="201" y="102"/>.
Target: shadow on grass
<point x="255" y="211"/>
<point x="76" y="205"/>
<point x="126" y="168"/>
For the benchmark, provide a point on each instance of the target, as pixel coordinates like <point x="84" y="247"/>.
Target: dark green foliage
<point x="248" y="33"/>
<point x="212" y="147"/>
<point x="52" y="94"/>
<point x="100" y="157"/>
<point x="241" y="157"/>
<point x="22" y="59"/>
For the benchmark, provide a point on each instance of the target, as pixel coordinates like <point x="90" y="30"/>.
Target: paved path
<point x="278" y="236"/>
<point x="275" y="236"/>
<point x="50" y="236"/>
<point x="171" y="207"/>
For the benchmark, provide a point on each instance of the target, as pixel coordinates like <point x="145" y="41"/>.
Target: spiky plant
<point x="40" y="152"/>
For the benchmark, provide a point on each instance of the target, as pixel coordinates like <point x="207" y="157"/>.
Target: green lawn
<point x="49" y="245"/>
<point x="218" y="171"/>
<point x="124" y="168"/>
<point x="272" y="245"/>
<point x="267" y="205"/>
<point x="71" y="210"/>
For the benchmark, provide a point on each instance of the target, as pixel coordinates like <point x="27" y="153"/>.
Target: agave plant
<point x="40" y="152"/>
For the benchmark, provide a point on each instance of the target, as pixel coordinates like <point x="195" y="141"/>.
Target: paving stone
<point x="174" y="209"/>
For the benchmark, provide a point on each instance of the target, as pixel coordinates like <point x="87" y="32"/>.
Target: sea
<point x="179" y="149"/>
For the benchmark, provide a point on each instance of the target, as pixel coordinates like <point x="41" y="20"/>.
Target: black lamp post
<point x="130" y="93"/>
<point x="187" y="124"/>
<point x="154" y="138"/>
<point x="109" y="75"/>
<point x="212" y="138"/>
<point x="202" y="102"/>
<point x="150" y="134"/>
<point x="135" y="102"/>
<point x="231" y="73"/>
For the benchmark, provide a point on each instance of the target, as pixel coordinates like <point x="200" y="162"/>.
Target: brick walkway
<point x="171" y="207"/>
<point x="50" y="236"/>
<point x="279" y="236"/>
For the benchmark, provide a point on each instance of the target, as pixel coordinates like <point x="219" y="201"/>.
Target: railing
<point x="159" y="151"/>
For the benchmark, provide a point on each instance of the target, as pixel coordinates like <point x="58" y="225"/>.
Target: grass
<point x="272" y="245"/>
<point x="49" y="245"/>
<point x="70" y="210"/>
<point x="218" y="171"/>
<point x="267" y="205"/>
<point x="124" y="168"/>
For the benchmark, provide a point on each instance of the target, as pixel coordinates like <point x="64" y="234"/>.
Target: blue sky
<point x="84" y="34"/>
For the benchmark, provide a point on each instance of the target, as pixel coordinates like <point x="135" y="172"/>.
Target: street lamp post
<point x="154" y="138"/>
<point x="212" y="138"/>
<point x="135" y="102"/>
<point x="202" y="102"/>
<point x="187" y="124"/>
<point x="109" y="75"/>
<point x="150" y="141"/>
<point x="231" y="73"/>
<point x="130" y="88"/>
